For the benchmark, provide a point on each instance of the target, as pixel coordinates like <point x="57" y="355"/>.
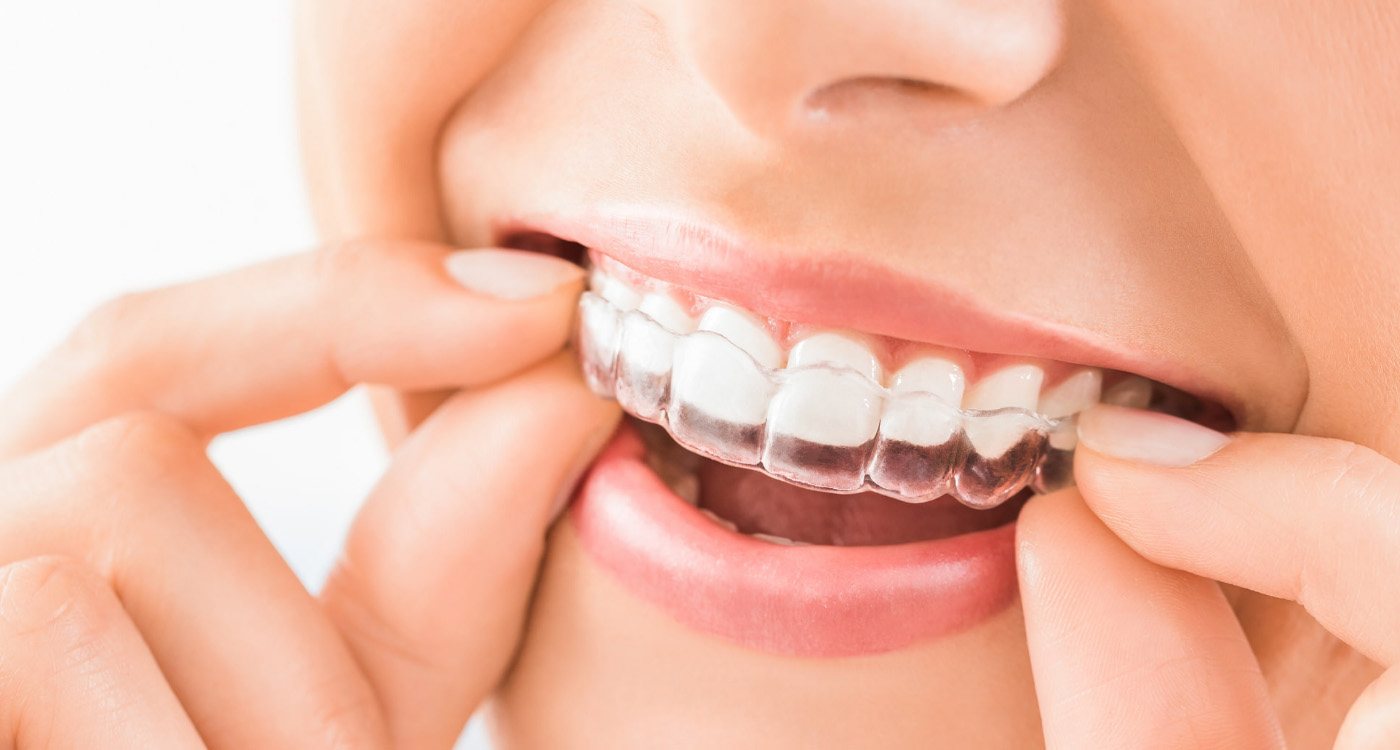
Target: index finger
<point x="1307" y="519"/>
<point x="287" y="335"/>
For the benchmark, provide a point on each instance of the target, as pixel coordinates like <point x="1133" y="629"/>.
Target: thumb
<point x="435" y="582"/>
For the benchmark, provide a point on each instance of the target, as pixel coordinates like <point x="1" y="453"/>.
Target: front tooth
<point x="916" y="452"/>
<point x="820" y="427"/>
<point x="719" y="399"/>
<point x="832" y="348"/>
<point x="616" y="291"/>
<point x="1132" y="391"/>
<point x="664" y="309"/>
<point x="744" y="331"/>
<point x="939" y="376"/>
<point x="1017" y="386"/>
<point x="646" y="352"/>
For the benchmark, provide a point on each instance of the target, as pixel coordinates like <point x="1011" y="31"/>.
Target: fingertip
<point x="512" y="275"/>
<point x="1049" y="529"/>
<point x="419" y="316"/>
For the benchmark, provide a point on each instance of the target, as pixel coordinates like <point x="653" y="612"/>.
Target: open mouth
<point x="802" y="435"/>
<point x="885" y="474"/>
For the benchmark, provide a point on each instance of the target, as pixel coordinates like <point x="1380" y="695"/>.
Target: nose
<point x="780" y="64"/>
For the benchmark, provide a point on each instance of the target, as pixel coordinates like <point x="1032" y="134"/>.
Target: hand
<point x="141" y="606"/>
<point x="1133" y="643"/>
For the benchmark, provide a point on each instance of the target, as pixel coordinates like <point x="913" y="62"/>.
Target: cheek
<point x="370" y="139"/>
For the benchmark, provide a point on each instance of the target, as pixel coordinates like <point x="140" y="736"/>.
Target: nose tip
<point x="776" y="63"/>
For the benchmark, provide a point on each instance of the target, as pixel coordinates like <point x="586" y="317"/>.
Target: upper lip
<point x="848" y="291"/>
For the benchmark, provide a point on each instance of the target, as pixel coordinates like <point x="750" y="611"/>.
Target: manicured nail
<point x="1146" y="436"/>
<point x="510" y="274"/>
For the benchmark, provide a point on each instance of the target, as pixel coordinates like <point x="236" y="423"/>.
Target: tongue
<point x="759" y="504"/>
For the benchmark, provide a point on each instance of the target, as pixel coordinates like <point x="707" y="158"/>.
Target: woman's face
<point x="1078" y="183"/>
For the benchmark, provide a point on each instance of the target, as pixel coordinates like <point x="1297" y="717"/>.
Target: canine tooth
<point x="1016" y="386"/>
<point x="719" y="399"/>
<point x="992" y="435"/>
<point x="1006" y="448"/>
<point x="726" y="523"/>
<point x="744" y="331"/>
<point x="617" y="292"/>
<point x="1072" y="395"/>
<point x="830" y="347"/>
<point x="941" y="377"/>
<point x="820" y="425"/>
<point x="663" y="309"/>
<point x="1132" y="391"/>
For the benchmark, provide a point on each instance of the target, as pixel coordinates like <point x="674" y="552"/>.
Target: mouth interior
<point x="750" y="502"/>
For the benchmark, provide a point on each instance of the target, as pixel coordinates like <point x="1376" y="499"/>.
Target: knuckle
<point x="54" y="600"/>
<point x="128" y="469"/>
<point x="347" y="715"/>
<point x="139" y="444"/>
<point x="1355" y="471"/>
<point x="103" y="334"/>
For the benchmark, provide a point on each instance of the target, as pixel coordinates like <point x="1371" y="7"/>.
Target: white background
<point x="145" y="142"/>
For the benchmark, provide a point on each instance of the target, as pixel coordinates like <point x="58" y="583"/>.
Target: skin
<point x="1210" y="183"/>
<point x="1204" y="183"/>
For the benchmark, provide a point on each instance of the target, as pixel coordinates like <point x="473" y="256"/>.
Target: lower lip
<point x="814" y="601"/>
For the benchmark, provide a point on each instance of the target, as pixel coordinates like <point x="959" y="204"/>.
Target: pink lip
<point x="802" y="601"/>
<point x="846" y="292"/>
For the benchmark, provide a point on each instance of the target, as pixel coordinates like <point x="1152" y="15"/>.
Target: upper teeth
<point x="822" y="409"/>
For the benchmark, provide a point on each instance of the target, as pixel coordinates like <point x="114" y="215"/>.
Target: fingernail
<point x="1146" y="436"/>
<point x="510" y="274"/>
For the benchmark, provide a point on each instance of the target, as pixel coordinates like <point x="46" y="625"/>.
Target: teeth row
<point x="825" y="413"/>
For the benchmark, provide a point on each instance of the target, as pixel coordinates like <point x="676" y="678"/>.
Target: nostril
<point x="901" y="96"/>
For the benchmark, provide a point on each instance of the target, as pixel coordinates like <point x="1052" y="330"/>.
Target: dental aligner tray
<point x="921" y="448"/>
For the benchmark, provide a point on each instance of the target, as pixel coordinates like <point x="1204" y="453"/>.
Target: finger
<point x="245" y="647"/>
<point x="433" y="588"/>
<point x="1127" y="653"/>
<point x="1307" y="519"/>
<point x="1373" y="722"/>
<point x="284" y="336"/>
<point x="74" y="671"/>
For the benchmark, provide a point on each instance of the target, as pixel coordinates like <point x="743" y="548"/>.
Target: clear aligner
<point x="730" y="394"/>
